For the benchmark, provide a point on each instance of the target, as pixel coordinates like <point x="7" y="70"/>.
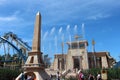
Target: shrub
<point x="71" y="78"/>
<point x="6" y="74"/>
<point x="112" y="73"/>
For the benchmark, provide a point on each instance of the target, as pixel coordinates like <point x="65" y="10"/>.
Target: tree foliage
<point x="46" y="60"/>
<point x="6" y="74"/>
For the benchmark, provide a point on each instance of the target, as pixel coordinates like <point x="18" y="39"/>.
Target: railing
<point x="33" y="65"/>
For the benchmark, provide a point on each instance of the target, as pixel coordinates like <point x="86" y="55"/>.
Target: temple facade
<point x="78" y="58"/>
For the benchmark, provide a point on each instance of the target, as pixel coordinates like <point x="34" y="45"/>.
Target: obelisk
<point x="34" y="65"/>
<point x="37" y="34"/>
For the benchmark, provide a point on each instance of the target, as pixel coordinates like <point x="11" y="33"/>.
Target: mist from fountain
<point x="68" y="33"/>
<point x="52" y="31"/>
<point x="49" y="47"/>
<point x="75" y="29"/>
<point x="62" y="37"/>
<point x="68" y="27"/>
<point x="42" y="41"/>
<point x="45" y="35"/>
<point x="60" y="30"/>
<point x="50" y="35"/>
<point x="83" y="31"/>
<point x="55" y="40"/>
<point x="59" y="35"/>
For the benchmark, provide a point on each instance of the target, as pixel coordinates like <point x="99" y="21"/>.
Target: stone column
<point x="104" y="62"/>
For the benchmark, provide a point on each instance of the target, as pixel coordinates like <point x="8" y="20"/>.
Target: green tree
<point x="46" y="60"/>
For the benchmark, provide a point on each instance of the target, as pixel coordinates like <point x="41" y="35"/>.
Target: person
<point x="58" y="76"/>
<point x="22" y="76"/>
<point x="81" y="76"/>
<point x="91" y="77"/>
<point x="25" y="77"/>
<point x="29" y="77"/>
<point x="51" y="76"/>
<point x="99" y="77"/>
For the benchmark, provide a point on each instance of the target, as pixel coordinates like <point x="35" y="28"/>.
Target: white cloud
<point x="10" y="18"/>
<point x="98" y="16"/>
<point x="64" y="10"/>
<point x="2" y="2"/>
<point x="77" y="10"/>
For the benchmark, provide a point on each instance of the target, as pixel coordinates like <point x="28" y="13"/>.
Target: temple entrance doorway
<point x="76" y="62"/>
<point x="61" y="64"/>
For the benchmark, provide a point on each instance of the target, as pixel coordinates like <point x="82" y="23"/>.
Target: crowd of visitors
<point x="26" y="77"/>
<point x="90" y="77"/>
<point x="81" y="76"/>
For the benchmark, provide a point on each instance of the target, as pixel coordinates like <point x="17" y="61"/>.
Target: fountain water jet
<point x="52" y="31"/>
<point x="83" y="31"/>
<point x="68" y="27"/>
<point x="75" y="29"/>
<point x="60" y="30"/>
<point x="45" y="35"/>
<point x="55" y="43"/>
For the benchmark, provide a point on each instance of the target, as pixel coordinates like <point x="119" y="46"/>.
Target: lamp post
<point x="63" y="56"/>
<point x="62" y="47"/>
<point x="93" y="50"/>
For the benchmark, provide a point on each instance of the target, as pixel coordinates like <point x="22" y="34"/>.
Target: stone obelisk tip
<point x="38" y="13"/>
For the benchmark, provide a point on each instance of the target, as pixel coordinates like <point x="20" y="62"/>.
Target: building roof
<point x="60" y="55"/>
<point x="100" y="54"/>
<point x="97" y="54"/>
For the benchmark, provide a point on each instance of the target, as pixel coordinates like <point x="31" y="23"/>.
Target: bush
<point x="6" y="74"/>
<point x="71" y="78"/>
<point x="113" y="73"/>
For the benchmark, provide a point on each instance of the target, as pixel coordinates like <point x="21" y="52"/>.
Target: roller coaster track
<point x="17" y="39"/>
<point x="5" y="39"/>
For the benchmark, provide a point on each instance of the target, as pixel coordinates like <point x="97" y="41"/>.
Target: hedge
<point x="113" y="73"/>
<point x="7" y="74"/>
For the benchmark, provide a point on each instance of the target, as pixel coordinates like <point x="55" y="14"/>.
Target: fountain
<point x="75" y="29"/>
<point x="52" y="30"/>
<point x="83" y="31"/>
<point x="55" y="43"/>
<point x="60" y="30"/>
<point x="68" y="32"/>
<point x="45" y="35"/>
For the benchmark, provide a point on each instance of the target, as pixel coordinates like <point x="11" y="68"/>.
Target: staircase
<point x="65" y="73"/>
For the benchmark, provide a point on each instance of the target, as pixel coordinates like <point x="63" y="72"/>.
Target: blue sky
<point x="63" y="19"/>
